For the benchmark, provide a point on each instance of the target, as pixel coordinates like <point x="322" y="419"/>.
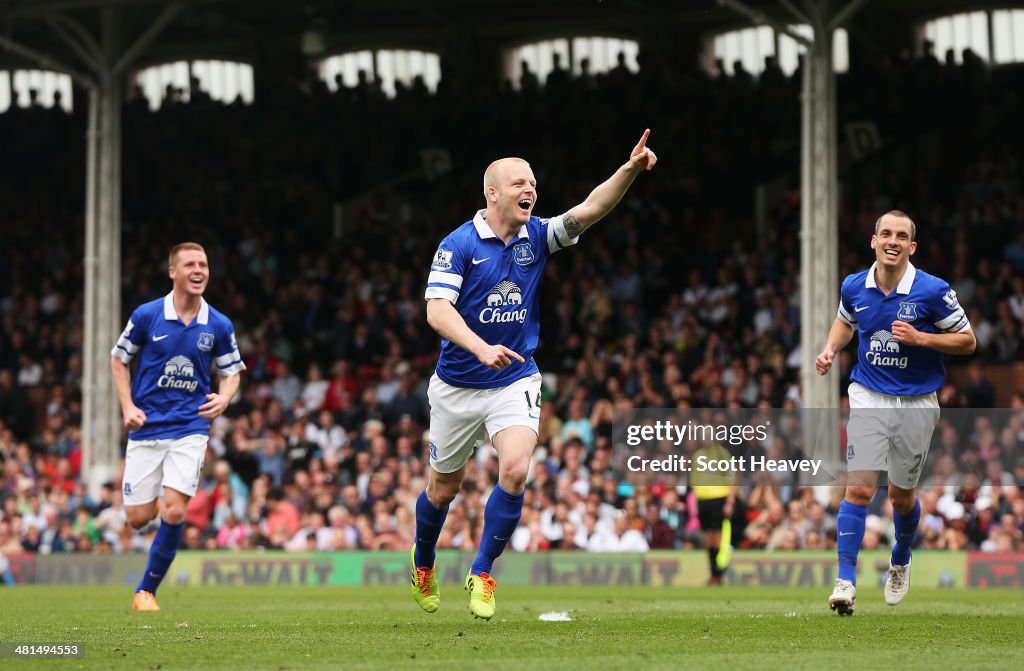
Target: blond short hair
<point x="491" y="174"/>
<point x="181" y="248"/>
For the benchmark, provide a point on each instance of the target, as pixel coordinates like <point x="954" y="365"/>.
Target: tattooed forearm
<point x="573" y="227"/>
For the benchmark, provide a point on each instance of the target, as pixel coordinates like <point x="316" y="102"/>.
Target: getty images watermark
<point x="714" y="455"/>
<point x="807" y="447"/>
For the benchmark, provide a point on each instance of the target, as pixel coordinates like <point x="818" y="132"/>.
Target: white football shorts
<point x="890" y="433"/>
<point x="150" y="465"/>
<point x="461" y="418"/>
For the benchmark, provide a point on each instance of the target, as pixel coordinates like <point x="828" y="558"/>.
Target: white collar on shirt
<point x="484" y="231"/>
<point x="906" y="282"/>
<point x="170" y="314"/>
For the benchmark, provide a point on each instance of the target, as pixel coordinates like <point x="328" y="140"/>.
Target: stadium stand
<point x="679" y="302"/>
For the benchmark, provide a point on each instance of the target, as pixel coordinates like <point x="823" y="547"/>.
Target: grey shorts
<point x="890" y="433"/>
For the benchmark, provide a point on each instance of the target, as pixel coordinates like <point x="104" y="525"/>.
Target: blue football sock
<point x="501" y="516"/>
<point x="906" y="527"/>
<point x="849" y="536"/>
<point x="161" y="554"/>
<point x="429" y="522"/>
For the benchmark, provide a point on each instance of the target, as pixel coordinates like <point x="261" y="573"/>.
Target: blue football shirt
<point x="172" y="378"/>
<point x="496" y="288"/>
<point x="884" y="365"/>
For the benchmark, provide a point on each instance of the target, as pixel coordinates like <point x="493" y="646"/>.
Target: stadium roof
<point x="261" y="30"/>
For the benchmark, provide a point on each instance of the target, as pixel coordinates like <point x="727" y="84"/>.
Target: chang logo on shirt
<point x="882" y="349"/>
<point x="505" y="294"/>
<point x="179" y="373"/>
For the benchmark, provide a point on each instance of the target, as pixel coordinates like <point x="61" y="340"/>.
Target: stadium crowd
<point x="678" y="300"/>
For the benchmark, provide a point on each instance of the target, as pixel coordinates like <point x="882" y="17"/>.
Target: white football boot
<point x="897" y="583"/>
<point x="844" y="597"/>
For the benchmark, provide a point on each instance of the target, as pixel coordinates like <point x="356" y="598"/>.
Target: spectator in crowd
<point x="979" y="392"/>
<point x="657" y="531"/>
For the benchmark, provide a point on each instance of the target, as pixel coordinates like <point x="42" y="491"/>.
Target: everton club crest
<point x="523" y="254"/>
<point x="205" y="342"/>
<point x="907" y="312"/>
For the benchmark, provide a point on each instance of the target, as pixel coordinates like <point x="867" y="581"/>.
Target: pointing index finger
<point x="515" y="355"/>
<point x="643" y="140"/>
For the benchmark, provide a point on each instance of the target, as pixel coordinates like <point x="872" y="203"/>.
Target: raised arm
<point x="608" y="193"/>
<point x="449" y="324"/>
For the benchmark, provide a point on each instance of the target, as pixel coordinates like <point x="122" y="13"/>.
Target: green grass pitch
<point x="612" y="628"/>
